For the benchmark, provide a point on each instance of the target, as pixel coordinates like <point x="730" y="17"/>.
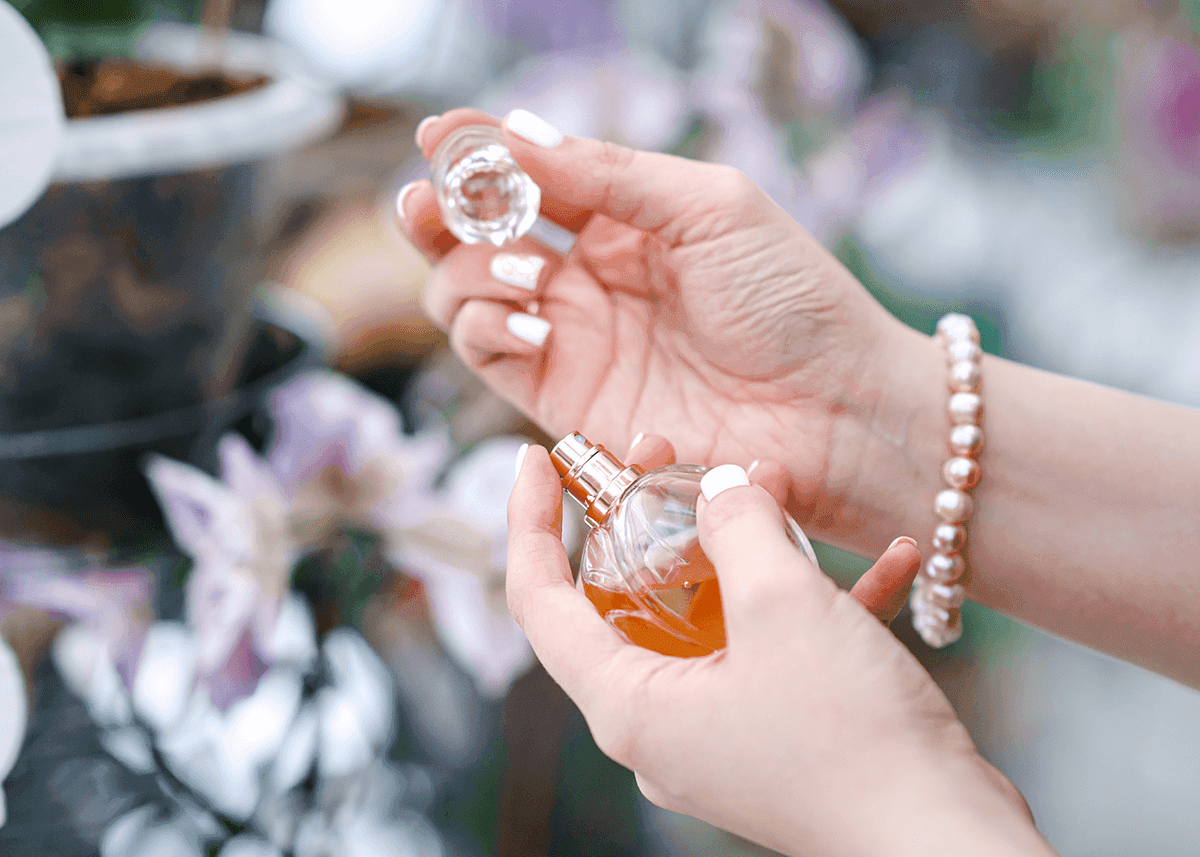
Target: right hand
<point x="691" y="306"/>
<point x="813" y="732"/>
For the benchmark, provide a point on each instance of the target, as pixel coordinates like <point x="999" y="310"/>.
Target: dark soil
<point x="107" y="86"/>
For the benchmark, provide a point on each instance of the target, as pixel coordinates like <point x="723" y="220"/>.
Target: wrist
<point x="970" y="808"/>
<point x="887" y="447"/>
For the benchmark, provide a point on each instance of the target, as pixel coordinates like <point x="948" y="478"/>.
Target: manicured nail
<point x="533" y="128"/>
<point x="528" y="328"/>
<point x="753" y="464"/>
<point x="424" y="126"/>
<point x="401" y="197"/>
<point x="911" y="541"/>
<point x="520" y="459"/>
<point x="721" y="478"/>
<point x="636" y="440"/>
<point x="517" y="270"/>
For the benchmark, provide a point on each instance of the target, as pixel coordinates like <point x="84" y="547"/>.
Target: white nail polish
<point x="533" y="128"/>
<point x="721" y="478"/>
<point x="401" y="196"/>
<point x="528" y="328"/>
<point x="517" y="270"/>
<point x="637" y="439"/>
<point x="520" y="459"/>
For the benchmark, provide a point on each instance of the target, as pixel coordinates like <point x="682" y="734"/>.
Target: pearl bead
<point x="926" y="614"/>
<point x="949" y="538"/>
<point x="944" y="568"/>
<point x="961" y="473"/>
<point x="939" y="635"/>
<point x="965" y="408"/>
<point x="965" y="376"/>
<point x="966" y="440"/>
<point x="953" y="506"/>
<point x="947" y="595"/>
<point x="964" y="350"/>
<point x="957" y="327"/>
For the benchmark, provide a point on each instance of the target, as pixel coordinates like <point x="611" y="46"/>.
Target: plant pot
<point x="125" y="314"/>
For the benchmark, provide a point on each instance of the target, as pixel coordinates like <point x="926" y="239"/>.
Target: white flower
<point x="14" y="714"/>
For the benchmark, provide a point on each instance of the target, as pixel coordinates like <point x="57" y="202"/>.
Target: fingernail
<point x="517" y="270"/>
<point x="401" y="197"/>
<point x="753" y="464"/>
<point x="520" y="459"/>
<point x="528" y="328"/>
<point x="423" y="126"/>
<point x="911" y="541"/>
<point x="636" y="440"/>
<point x="533" y="128"/>
<point x="722" y="478"/>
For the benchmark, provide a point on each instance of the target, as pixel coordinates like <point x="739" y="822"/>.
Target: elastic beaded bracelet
<point x="937" y="595"/>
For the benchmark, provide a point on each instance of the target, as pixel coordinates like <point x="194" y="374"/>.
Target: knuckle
<point x="614" y="158"/>
<point x="615" y="736"/>
<point x="735" y="185"/>
<point x="516" y="602"/>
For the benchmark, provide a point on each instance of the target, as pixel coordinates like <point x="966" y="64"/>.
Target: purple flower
<point x="236" y="533"/>
<point x="113" y="603"/>
<point x="1160" y="126"/>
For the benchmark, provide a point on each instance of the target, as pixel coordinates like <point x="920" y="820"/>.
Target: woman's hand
<point x="813" y="732"/>
<point x="690" y="306"/>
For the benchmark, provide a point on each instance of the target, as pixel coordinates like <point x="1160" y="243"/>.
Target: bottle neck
<point x="592" y="475"/>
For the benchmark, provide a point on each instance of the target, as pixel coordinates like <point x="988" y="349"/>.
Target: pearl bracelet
<point x="937" y="595"/>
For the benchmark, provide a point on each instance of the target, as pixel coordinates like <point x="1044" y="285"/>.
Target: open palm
<point x="671" y="315"/>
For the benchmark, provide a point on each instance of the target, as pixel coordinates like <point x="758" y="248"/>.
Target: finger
<point x="884" y="587"/>
<point x="420" y="221"/>
<point x="772" y="475"/>
<point x="485" y="331"/>
<point x="763" y="575"/>
<point x="650" y="451"/>
<point x="651" y="191"/>
<point x="579" y="177"/>
<point x="480" y="271"/>
<point x="435" y="129"/>
<point x="581" y="651"/>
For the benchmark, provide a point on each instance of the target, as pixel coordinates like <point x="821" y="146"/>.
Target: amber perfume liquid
<point x="643" y="567"/>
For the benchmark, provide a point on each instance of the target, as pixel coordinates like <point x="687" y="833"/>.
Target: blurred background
<point x="210" y="335"/>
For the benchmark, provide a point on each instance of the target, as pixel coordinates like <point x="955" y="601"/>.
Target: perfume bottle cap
<point x="592" y="475"/>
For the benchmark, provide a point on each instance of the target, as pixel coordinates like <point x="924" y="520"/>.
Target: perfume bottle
<point x="643" y="568"/>
<point x="483" y="195"/>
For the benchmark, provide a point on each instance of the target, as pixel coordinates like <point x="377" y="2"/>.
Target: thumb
<point x="665" y="195"/>
<point x="762" y="573"/>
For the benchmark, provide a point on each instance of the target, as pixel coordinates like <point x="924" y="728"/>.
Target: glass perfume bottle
<point x="643" y="568"/>
<point x="483" y="195"/>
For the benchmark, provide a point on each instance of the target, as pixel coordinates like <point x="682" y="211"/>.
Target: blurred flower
<point x="1159" y="92"/>
<point x="341" y="454"/>
<point x="236" y="533"/>
<point x="344" y="458"/>
<point x="607" y="93"/>
<point x="323" y="720"/>
<point x="113" y="603"/>
<point x="14" y="714"/>
<point x="776" y="91"/>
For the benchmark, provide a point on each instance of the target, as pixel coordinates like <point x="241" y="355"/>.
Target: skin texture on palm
<point x="673" y="314"/>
